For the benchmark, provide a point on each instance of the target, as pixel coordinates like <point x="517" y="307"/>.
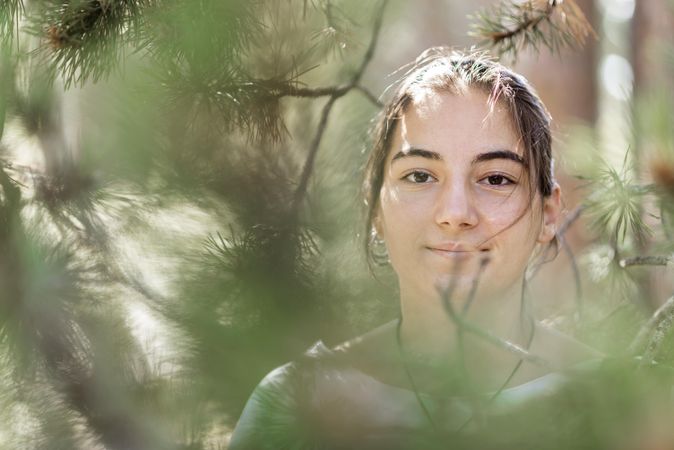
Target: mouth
<point x="458" y="251"/>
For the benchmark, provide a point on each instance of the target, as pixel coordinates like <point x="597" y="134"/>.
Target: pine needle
<point x="512" y="26"/>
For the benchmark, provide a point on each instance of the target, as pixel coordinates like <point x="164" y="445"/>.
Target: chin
<point x="457" y="285"/>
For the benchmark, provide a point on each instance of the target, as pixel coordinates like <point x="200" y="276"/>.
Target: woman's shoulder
<point x="326" y="396"/>
<point x="565" y="350"/>
<point x="316" y="396"/>
<point x="272" y="416"/>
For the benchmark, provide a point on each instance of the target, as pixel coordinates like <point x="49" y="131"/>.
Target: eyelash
<point x="509" y="180"/>
<point x="408" y="178"/>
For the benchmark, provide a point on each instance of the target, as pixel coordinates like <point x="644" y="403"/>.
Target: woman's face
<point x="456" y="191"/>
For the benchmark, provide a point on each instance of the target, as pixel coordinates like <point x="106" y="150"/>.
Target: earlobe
<point x="552" y="207"/>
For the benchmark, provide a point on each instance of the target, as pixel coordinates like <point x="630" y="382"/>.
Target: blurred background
<point x="181" y="208"/>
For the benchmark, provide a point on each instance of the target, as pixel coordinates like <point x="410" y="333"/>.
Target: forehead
<point x="456" y="125"/>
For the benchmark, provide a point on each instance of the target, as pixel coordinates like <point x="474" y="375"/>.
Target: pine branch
<point x="379" y="18"/>
<point x="9" y="19"/>
<point x="615" y="204"/>
<point x="311" y="157"/>
<point x="246" y="102"/>
<point x="338" y="91"/>
<point x="313" y="149"/>
<point x="334" y="34"/>
<point x="652" y="333"/>
<point x="11" y="194"/>
<point x="83" y="40"/>
<point x="512" y="25"/>
<point x="645" y="260"/>
<point x="78" y="349"/>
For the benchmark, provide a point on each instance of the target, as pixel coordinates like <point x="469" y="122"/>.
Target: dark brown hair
<point x="441" y="69"/>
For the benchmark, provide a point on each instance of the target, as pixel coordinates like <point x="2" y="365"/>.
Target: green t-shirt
<point x="323" y="401"/>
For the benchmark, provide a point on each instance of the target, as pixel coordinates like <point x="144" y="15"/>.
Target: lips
<point x="456" y="250"/>
<point x="456" y="247"/>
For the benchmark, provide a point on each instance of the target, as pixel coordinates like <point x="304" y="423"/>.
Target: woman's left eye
<point x="498" y="180"/>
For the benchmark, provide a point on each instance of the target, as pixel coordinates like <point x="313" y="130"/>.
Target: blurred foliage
<point x="510" y="26"/>
<point x="179" y="210"/>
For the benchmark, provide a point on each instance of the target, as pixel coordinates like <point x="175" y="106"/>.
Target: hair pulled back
<point x="444" y="70"/>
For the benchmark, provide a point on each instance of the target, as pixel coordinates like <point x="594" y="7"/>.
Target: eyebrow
<point x="499" y="154"/>
<point x="417" y="152"/>
<point x="486" y="156"/>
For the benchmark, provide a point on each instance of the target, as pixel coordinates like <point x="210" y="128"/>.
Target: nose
<point x="456" y="207"/>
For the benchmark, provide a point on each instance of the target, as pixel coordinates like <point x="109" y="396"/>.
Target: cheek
<point x="507" y="211"/>
<point x="516" y="228"/>
<point x="503" y="216"/>
<point x="401" y="209"/>
<point x="401" y="222"/>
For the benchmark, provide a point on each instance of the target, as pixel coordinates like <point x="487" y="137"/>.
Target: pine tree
<point x="203" y="129"/>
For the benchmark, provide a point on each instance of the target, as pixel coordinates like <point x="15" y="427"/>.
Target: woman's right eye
<point x="419" y="177"/>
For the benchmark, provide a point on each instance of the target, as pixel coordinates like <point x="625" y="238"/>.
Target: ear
<point x="552" y="208"/>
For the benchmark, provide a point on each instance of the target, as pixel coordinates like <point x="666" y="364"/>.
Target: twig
<point x="645" y="260"/>
<point x="460" y="334"/>
<point x="313" y="151"/>
<point x="473" y="289"/>
<point x="499" y="342"/>
<point x="410" y="378"/>
<point x="576" y="276"/>
<point x="656" y="328"/>
<point x="527" y="24"/>
<point x="334" y="91"/>
<point x="369" y="95"/>
<point x="301" y="190"/>
<point x="373" y="44"/>
<point x="513" y="21"/>
<point x="570" y="219"/>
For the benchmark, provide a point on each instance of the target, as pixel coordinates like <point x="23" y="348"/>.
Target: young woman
<point x="461" y="199"/>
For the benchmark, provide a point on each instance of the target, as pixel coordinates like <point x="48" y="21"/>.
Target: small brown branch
<point x="654" y="331"/>
<point x="645" y="261"/>
<point x="528" y="24"/>
<point x="379" y="18"/>
<point x="336" y="93"/>
<point x="570" y="219"/>
<point x="313" y="150"/>
<point x="514" y="21"/>
<point x="493" y="339"/>
<point x="369" y="95"/>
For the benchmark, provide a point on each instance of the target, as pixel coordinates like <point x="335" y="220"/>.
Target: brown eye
<point x="496" y="180"/>
<point x="419" y="177"/>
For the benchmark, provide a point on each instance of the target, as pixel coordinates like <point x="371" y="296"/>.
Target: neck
<point x="428" y="328"/>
